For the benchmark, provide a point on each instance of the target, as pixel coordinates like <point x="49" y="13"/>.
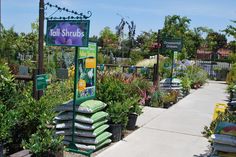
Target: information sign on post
<point x="41" y="82"/>
<point x="172" y="44"/>
<point x="67" y="33"/>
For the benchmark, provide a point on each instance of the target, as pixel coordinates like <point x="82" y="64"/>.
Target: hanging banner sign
<point x="172" y="44"/>
<point x="67" y="33"/>
<point x="86" y="75"/>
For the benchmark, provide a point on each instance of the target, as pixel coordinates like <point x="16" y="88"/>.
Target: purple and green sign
<point x="68" y="33"/>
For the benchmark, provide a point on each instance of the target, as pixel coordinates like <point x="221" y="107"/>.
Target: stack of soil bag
<point x="224" y="140"/>
<point x="90" y="124"/>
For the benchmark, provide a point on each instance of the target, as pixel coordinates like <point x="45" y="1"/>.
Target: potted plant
<point x="134" y="111"/>
<point x="170" y="98"/>
<point x="186" y="85"/>
<point x="118" y="118"/>
<point x="157" y="99"/>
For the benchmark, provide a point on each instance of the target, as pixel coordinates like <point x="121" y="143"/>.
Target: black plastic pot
<point x="132" y="121"/>
<point x="167" y="105"/>
<point x="50" y="154"/>
<point x="116" y="130"/>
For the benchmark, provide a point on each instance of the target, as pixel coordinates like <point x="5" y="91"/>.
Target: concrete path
<point x="174" y="132"/>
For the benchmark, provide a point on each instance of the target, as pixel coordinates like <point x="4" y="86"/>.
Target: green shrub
<point x="186" y="84"/>
<point x="231" y="77"/>
<point x="8" y="118"/>
<point x="135" y="57"/>
<point x="7" y="87"/>
<point x="110" y="89"/>
<point x="118" y="113"/>
<point x="157" y="99"/>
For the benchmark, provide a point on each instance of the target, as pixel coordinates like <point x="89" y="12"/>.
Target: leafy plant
<point x="7" y="87"/>
<point x="231" y="77"/>
<point x="43" y="142"/>
<point x="157" y="99"/>
<point x="110" y="90"/>
<point x="118" y="113"/>
<point x="186" y="84"/>
<point x="8" y="118"/>
<point x="170" y="97"/>
<point x="134" y="106"/>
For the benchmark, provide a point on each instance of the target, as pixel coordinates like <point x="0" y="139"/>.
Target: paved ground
<point x="175" y="132"/>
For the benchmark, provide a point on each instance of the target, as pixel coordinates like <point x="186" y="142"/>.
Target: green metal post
<point x="75" y="94"/>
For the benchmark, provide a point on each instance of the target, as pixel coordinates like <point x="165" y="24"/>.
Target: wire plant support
<point x="76" y="14"/>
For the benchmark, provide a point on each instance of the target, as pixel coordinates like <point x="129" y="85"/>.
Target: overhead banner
<point x="67" y="33"/>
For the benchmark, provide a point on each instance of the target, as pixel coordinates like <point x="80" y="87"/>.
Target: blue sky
<point x="147" y="14"/>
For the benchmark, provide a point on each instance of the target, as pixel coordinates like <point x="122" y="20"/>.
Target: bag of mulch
<point x="90" y="147"/>
<point x="224" y="148"/>
<point x="89" y="106"/>
<point x="85" y="140"/>
<point x="224" y="139"/>
<point x="82" y="126"/>
<point x="83" y="118"/>
<point x="83" y="133"/>
<point x="226" y="128"/>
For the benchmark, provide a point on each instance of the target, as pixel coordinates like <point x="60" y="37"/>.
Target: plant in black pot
<point x="170" y="98"/>
<point x="134" y="111"/>
<point x="118" y="114"/>
<point x="186" y="85"/>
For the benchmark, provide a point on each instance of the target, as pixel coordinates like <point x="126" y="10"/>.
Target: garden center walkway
<point x="175" y="132"/>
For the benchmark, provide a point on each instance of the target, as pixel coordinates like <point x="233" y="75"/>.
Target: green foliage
<point x="215" y="41"/>
<point x="186" y="84"/>
<point x="196" y="75"/>
<point x="8" y="118"/>
<point x="232" y="57"/>
<point x="110" y="89"/>
<point x="7" y="86"/>
<point x="120" y="97"/>
<point x="231" y="30"/>
<point x="44" y="141"/>
<point x="38" y="117"/>
<point x="231" y="77"/>
<point x="108" y="40"/>
<point x="157" y="99"/>
<point x="135" y="57"/>
<point x="144" y="42"/>
<point x="178" y="27"/>
<point x="134" y="106"/>
<point x="170" y="97"/>
<point x="118" y="112"/>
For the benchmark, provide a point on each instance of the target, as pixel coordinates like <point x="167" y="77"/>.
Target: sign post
<point x="173" y="45"/>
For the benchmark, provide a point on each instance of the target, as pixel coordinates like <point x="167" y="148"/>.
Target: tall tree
<point x="215" y="41"/>
<point x="231" y="30"/>
<point x="144" y="41"/>
<point x="109" y="40"/>
<point x="178" y="27"/>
